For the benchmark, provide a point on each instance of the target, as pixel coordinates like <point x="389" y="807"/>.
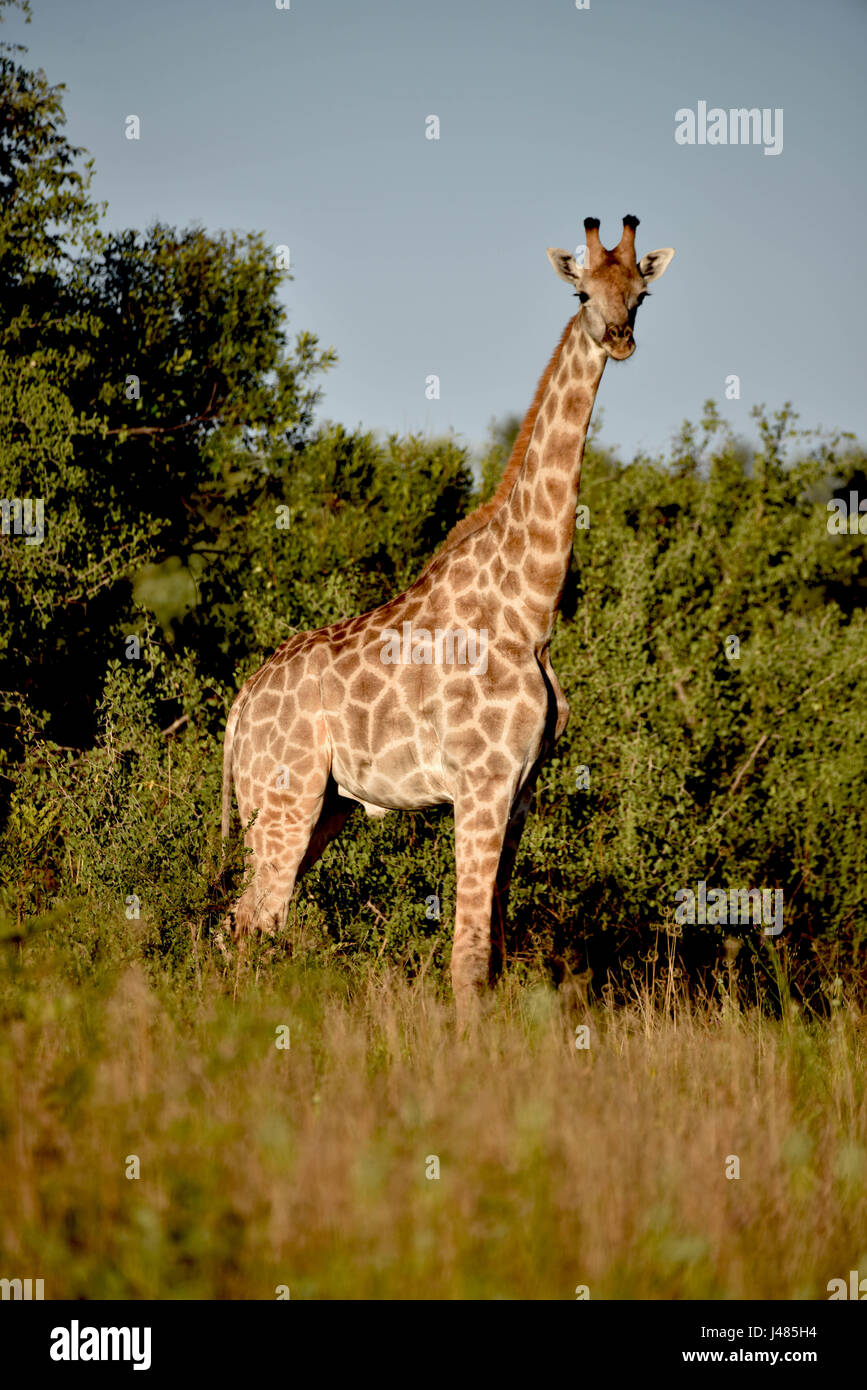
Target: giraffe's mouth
<point x="620" y="351"/>
<point x="619" y="342"/>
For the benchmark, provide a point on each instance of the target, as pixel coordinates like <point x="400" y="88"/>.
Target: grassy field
<point x="308" y="1166"/>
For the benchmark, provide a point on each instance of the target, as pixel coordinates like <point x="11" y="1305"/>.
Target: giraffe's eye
<point x="583" y="297"/>
<point x="645" y="294"/>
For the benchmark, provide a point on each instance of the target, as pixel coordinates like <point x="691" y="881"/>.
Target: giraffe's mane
<point x="482" y="515"/>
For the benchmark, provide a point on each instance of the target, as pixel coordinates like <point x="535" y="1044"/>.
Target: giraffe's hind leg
<point x="336" y="810"/>
<point x="290" y="804"/>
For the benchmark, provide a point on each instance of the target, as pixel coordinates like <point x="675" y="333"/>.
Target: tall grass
<point x="306" y="1166"/>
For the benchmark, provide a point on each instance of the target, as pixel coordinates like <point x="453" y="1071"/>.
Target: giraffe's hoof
<point x="468" y="1009"/>
<point x="221" y="940"/>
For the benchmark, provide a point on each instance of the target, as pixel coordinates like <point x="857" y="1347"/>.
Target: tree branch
<point x="169" y="429"/>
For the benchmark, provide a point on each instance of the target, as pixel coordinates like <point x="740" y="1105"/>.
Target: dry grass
<point x="306" y="1167"/>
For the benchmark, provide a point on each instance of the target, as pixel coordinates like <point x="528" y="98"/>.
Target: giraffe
<point x="381" y="710"/>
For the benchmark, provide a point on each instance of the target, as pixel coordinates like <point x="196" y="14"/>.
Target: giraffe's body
<point x="327" y="723"/>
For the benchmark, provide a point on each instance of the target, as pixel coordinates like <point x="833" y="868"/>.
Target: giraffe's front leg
<point x="481" y="819"/>
<point x="511" y="842"/>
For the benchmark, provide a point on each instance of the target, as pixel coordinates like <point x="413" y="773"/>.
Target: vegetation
<point x="309" y="1168"/>
<point x="196" y="514"/>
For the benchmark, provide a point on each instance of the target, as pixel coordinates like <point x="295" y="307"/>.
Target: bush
<point x="742" y="772"/>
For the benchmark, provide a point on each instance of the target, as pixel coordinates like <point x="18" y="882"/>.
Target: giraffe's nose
<point x="619" y="335"/>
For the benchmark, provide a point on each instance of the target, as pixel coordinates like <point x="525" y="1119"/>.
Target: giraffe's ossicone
<point x="446" y="693"/>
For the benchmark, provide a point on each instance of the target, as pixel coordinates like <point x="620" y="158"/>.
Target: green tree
<point x="148" y="393"/>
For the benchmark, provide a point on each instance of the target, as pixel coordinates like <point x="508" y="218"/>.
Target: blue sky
<point x="414" y="256"/>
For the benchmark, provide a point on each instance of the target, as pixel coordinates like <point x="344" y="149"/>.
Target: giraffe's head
<point x="611" y="285"/>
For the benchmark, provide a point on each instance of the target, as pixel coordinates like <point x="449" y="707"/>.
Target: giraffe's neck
<point x="536" y="526"/>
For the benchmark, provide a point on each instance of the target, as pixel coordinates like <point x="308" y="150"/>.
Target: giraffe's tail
<point x="226" y="807"/>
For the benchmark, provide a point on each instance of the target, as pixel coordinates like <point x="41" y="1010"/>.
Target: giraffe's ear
<point x="655" y="263"/>
<point x="566" y="266"/>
